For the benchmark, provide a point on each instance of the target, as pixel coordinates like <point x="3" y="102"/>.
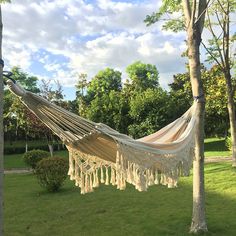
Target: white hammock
<point x="99" y="154"/>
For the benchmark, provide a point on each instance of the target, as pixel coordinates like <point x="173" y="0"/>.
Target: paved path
<point x="217" y="159"/>
<point x="17" y="171"/>
<point x="207" y="160"/>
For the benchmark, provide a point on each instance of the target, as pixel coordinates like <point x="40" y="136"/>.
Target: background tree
<point x="215" y="93"/>
<point x="81" y="88"/>
<point x="142" y="76"/>
<point x="150" y="111"/>
<point x="148" y="103"/>
<point x="102" y="101"/>
<point x="1" y="124"/>
<point x="193" y="13"/>
<point x="219" y="51"/>
<point x="15" y="119"/>
<point x="54" y="95"/>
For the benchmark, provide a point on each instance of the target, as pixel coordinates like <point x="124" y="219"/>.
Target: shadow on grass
<point x="217" y="169"/>
<point x="216" y="145"/>
<point x="160" y="211"/>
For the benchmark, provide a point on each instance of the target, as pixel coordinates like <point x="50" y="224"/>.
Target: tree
<point x="218" y="50"/>
<point x="15" y="118"/>
<point x="54" y="96"/>
<point x="216" y="121"/>
<point x="194" y="17"/>
<point x="103" y="100"/>
<point x="81" y="88"/>
<point x="150" y="111"/>
<point x="1" y="124"/>
<point x="142" y="76"/>
<point x="104" y="82"/>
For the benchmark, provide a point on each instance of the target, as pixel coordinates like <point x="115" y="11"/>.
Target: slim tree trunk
<point x="232" y="116"/>
<point x="228" y="79"/>
<point x="1" y="131"/>
<point x="194" y="12"/>
<point x="198" y="214"/>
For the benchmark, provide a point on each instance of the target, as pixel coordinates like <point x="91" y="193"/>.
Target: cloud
<point x="69" y="36"/>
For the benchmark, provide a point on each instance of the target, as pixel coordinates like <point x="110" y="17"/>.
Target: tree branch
<point x="202" y="8"/>
<point x="215" y="59"/>
<point x="226" y="38"/>
<point x="216" y="40"/>
<point x="221" y="6"/>
<point x="187" y="12"/>
<point x="218" y="19"/>
<point x="194" y="6"/>
<point x="200" y="13"/>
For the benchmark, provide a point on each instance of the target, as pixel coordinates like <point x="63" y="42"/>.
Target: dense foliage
<point x="137" y="107"/>
<point x="52" y="172"/>
<point x="31" y="158"/>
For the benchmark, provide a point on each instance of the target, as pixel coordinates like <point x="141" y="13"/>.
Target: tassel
<point x="102" y="175"/>
<point x="86" y="183"/>
<point x="97" y="180"/>
<point x="94" y="179"/>
<point x="131" y="173"/>
<point x="107" y="176"/>
<point x="82" y="184"/>
<point x="156" y="177"/>
<point x="113" y="177"/>
<point x="151" y="178"/>
<point x="90" y="183"/>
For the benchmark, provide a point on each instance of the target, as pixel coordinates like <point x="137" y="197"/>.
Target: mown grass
<point x="15" y="161"/>
<point x="29" y="210"/>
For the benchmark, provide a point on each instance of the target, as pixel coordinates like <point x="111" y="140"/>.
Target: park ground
<point x="30" y="210"/>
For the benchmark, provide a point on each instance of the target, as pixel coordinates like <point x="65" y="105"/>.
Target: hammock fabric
<point x="99" y="154"/>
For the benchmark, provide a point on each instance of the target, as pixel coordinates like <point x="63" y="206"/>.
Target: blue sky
<point x="56" y="40"/>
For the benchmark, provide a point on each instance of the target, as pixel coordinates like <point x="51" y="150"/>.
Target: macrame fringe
<point x="89" y="171"/>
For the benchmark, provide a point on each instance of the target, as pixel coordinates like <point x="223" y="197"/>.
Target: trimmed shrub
<point x="228" y="143"/>
<point x="31" y="158"/>
<point x="51" y="173"/>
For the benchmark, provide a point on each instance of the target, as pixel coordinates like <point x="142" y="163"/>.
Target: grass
<point x="15" y="161"/>
<point x="29" y="210"/>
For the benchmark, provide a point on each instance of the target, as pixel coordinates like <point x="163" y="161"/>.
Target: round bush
<point x="31" y="158"/>
<point x="51" y="173"/>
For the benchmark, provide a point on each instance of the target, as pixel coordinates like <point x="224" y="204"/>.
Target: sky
<point x="57" y="39"/>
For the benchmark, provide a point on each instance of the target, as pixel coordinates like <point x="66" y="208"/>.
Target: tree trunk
<point x="1" y="131"/>
<point x="232" y="116"/>
<point x="26" y="143"/>
<point x="50" y="147"/>
<point x="198" y="215"/>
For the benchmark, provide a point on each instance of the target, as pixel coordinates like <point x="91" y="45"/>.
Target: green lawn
<point x="16" y="161"/>
<point x="29" y="210"/>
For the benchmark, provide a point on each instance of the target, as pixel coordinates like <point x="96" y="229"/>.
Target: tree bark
<point x="50" y="147"/>
<point x="198" y="215"/>
<point x="228" y="79"/>
<point x="232" y="116"/>
<point x="194" y="31"/>
<point x="1" y="130"/>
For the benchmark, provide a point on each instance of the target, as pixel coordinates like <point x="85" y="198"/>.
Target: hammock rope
<point x="99" y="154"/>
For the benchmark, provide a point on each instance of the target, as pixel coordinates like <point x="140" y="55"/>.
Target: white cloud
<point x="88" y="36"/>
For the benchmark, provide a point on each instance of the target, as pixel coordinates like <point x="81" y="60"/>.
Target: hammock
<point x="99" y="154"/>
